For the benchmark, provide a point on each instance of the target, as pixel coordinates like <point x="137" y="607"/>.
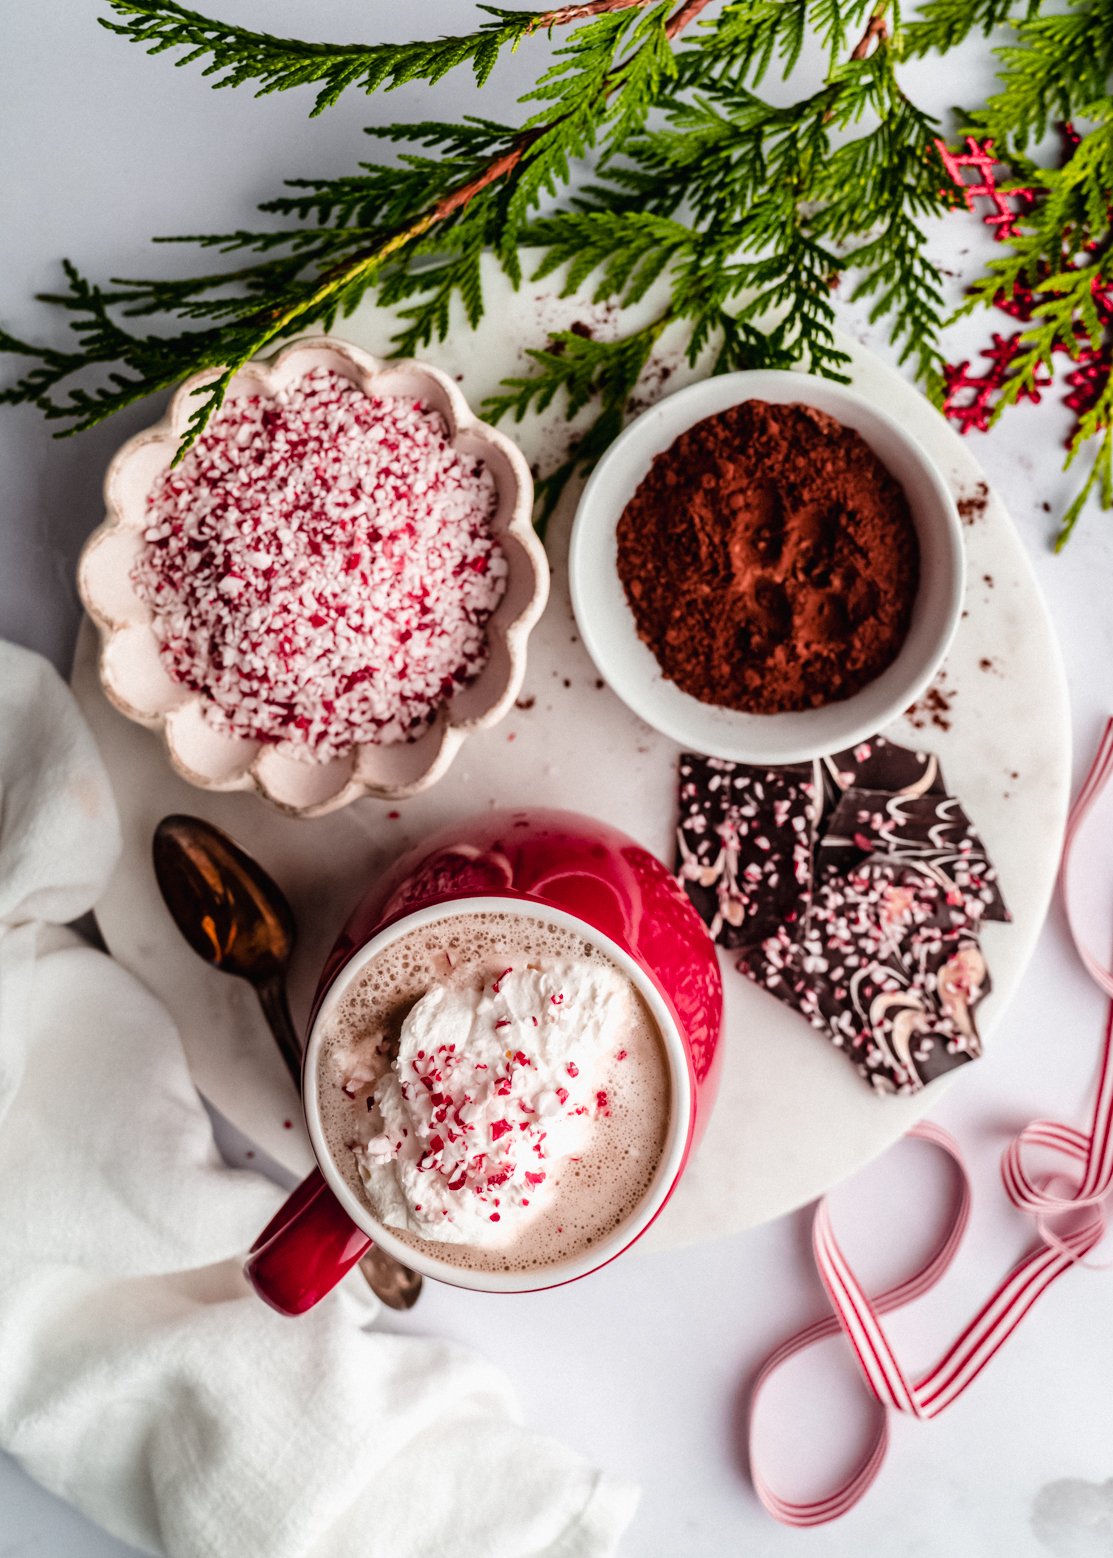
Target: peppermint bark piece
<point x="774" y="964"/>
<point x="880" y="950"/>
<point x="932" y="832"/>
<point x="953" y="972"/>
<point x="745" y="844"/>
<point x="897" y="904"/>
<point x="881" y="764"/>
<point x="881" y="908"/>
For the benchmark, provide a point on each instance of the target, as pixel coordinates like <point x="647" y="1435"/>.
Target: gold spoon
<point x="237" y="919"/>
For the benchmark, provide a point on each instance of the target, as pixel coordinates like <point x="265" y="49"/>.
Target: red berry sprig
<point x="970" y="398"/>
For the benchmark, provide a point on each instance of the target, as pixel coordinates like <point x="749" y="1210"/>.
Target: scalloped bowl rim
<point x="261" y="375"/>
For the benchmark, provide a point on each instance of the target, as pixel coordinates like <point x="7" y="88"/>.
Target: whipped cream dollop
<point x="493" y="1089"/>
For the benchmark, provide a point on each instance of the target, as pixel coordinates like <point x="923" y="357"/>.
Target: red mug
<point x="549" y="865"/>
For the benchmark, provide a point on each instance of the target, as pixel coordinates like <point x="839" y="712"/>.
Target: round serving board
<point x="792" y="1116"/>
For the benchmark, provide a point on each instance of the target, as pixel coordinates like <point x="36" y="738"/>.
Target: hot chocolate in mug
<point x="572" y="882"/>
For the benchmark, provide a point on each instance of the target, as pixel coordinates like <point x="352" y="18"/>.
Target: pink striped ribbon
<point x="1045" y="1196"/>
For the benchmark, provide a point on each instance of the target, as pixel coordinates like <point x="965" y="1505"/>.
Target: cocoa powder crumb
<point x="972" y="507"/>
<point x="934" y="708"/>
<point x="770" y="560"/>
<point x="525" y="703"/>
<point x="654" y="377"/>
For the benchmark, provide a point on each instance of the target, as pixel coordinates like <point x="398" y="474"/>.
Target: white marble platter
<point x="792" y="1117"/>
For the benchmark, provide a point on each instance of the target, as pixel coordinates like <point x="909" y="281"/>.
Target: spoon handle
<point x="276" y="1009"/>
<point x="395" y="1284"/>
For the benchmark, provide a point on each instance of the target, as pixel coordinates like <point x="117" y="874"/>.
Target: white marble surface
<point x="791" y="1117"/>
<point x="645" y="1366"/>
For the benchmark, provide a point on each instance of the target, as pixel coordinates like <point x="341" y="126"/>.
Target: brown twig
<point x="567" y="14"/>
<point x="877" y="29"/>
<point x="687" y="13"/>
<point x="507" y="161"/>
<point x="334" y="280"/>
<point x="496" y="169"/>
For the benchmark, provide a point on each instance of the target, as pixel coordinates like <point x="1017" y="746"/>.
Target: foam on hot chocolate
<point x="496" y="1091"/>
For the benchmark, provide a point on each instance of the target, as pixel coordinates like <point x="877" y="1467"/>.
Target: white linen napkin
<point x="139" y="1376"/>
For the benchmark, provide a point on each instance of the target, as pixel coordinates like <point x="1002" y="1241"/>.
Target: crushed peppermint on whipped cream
<point x="321" y="567"/>
<point x="492" y="1091"/>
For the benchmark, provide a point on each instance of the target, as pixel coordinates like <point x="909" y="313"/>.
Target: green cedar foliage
<point x="755" y="212"/>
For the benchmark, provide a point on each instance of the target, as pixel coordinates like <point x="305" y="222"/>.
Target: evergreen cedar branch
<point x="752" y="210"/>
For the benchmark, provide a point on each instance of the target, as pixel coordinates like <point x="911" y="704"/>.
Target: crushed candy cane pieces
<point x="321" y="567"/>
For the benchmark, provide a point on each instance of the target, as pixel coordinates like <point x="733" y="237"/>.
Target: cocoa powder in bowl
<point x="770" y="560"/>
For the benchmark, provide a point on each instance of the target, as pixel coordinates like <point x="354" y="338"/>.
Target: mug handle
<point x="305" y="1249"/>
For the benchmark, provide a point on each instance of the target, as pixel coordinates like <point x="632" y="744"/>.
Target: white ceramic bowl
<point x="606" y="622"/>
<point x="137" y="683"/>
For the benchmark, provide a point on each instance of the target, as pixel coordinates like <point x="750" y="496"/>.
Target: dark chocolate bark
<point x="865" y="921"/>
<point x="880" y="764"/>
<point x="930" y="831"/>
<point x="877" y="954"/>
<point x="746" y="845"/>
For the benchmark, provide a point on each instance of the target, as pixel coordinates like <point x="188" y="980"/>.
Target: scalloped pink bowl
<point x="131" y="670"/>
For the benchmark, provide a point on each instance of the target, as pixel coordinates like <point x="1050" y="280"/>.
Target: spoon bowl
<point x="230" y="911"/>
